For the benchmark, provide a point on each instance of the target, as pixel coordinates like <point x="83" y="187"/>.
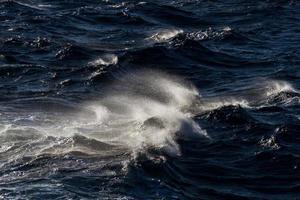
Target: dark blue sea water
<point x="182" y="99"/>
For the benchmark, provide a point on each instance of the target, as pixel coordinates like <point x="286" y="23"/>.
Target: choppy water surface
<point x="149" y="99"/>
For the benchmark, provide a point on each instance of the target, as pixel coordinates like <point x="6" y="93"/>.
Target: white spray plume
<point x="147" y="109"/>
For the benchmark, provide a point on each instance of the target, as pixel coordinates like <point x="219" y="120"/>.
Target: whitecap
<point x="165" y="35"/>
<point x="209" y="33"/>
<point x="269" y="143"/>
<point x="142" y="110"/>
<point x="218" y="102"/>
<point x="105" y="60"/>
<point x="126" y="111"/>
<point x="274" y="87"/>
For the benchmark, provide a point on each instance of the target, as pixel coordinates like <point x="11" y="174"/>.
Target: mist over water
<point x="149" y="100"/>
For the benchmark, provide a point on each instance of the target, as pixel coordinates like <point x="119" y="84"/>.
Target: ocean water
<point x="183" y="99"/>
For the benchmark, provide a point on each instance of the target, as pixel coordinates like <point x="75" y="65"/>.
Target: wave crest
<point x="148" y="109"/>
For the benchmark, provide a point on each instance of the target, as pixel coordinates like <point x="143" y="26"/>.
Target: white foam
<point x="209" y="34"/>
<point x="217" y="103"/>
<point x="269" y="143"/>
<point x="105" y="60"/>
<point x="275" y="87"/>
<point x="120" y="117"/>
<point x="124" y="112"/>
<point x="165" y="35"/>
<point x="254" y="95"/>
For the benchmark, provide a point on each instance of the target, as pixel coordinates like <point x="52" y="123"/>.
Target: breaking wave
<point x="141" y="110"/>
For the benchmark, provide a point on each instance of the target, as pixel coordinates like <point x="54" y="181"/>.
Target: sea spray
<point x="137" y="97"/>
